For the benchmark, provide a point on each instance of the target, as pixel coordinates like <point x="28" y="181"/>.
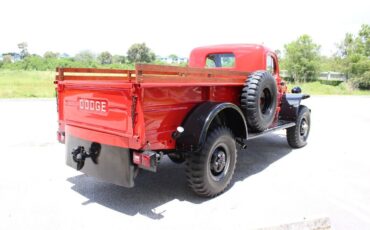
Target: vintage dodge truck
<point x="117" y="122"/>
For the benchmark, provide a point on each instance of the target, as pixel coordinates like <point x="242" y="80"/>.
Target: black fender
<point x="201" y="118"/>
<point x="290" y="103"/>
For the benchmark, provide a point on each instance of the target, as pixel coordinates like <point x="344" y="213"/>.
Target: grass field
<point x="23" y="84"/>
<point x="317" y="88"/>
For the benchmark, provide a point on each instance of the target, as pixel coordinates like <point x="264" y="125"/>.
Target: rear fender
<point x="205" y="116"/>
<point x="290" y="106"/>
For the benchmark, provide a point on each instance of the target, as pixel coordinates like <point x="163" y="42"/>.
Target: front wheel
<point x="209" y="171"/>
<point x="298" y="134"/>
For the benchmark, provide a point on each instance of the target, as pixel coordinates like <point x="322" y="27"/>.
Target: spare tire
<point x="259" y="100"/>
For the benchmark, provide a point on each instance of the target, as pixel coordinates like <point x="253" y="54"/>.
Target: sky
<point x="174" y="27"/>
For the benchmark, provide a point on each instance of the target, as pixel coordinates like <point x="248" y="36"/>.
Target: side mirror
<point x="297" y="89"/>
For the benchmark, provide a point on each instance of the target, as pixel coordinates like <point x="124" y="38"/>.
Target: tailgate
<point x="96" y="104"/>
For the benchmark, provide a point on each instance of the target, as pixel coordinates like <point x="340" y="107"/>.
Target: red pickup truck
<point x="116" y="122"/>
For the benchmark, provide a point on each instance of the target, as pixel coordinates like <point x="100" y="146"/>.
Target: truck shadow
<point x="155" y="189"/>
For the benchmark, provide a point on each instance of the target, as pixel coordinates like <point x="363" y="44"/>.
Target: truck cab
<point x="239" y="57"/>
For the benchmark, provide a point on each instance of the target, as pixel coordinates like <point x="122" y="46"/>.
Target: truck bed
<point x="137" y="108"/>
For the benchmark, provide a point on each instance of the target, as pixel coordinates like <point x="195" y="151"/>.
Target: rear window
<point x="222" y="60"/>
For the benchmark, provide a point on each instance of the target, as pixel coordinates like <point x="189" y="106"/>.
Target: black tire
<point x="209" y="172"/>
<point x="258" y="100"/>
<point x="298" y="134"/>
<point x="176" y="158"/>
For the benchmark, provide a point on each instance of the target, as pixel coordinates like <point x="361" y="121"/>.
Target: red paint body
<point x="143" y="107"/>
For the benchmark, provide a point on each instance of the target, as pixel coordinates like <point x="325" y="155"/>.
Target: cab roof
<point x="248" y="57"/>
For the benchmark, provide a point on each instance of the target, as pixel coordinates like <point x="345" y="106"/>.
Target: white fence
<point x="332" y="76"/>
<point x="329" y="76"/>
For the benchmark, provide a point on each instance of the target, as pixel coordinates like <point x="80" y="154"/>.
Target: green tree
<point x="278" y="53"/>
<point x="302" y="59"/>
<point x="364" y="40"/>
<point x="347" y="46"/>
<point x="119" y="59"/>
<point x="50" y="54"/>
<point x="173" y="56"/>
<point x="281" y="59"/>
<point x="86" y="57"/>
<point x="139" y="52"/>
<point x="23" y="46"/>
<point x="354" y="53"/>
<point x="330" y="64"/>
<point x="7" y="58"/>
<point x="105" y="58"/>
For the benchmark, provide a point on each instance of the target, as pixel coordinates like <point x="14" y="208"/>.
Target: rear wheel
<point x="209" y="171"/>
<point x="298" y="134"/>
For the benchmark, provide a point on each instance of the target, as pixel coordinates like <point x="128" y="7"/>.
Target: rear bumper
<point x="113" y="164"/>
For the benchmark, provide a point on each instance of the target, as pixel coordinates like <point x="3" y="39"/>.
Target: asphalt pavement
<point x="273" y="185"/>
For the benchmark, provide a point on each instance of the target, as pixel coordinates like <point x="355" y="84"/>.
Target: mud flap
<point x="110" y="164"/>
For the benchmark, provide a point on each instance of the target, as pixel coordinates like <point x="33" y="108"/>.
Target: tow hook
<point x="79" y="154"/>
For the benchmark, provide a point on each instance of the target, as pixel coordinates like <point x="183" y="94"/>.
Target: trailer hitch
<point x="79" y="154"/>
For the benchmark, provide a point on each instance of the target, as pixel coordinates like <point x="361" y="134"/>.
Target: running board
<point x="281" y="125"/>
